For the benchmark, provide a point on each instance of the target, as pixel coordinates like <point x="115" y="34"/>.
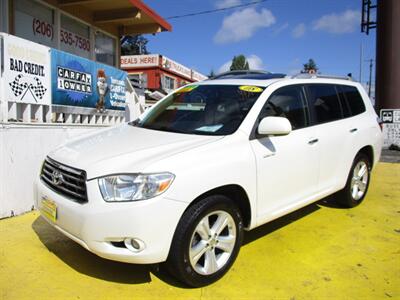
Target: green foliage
<point x="239" y="63"/>
<point x="310" y="66"/>
<point x="133" y="45"/>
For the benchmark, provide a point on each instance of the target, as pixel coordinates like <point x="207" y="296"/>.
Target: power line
<point x="215" y="10"/>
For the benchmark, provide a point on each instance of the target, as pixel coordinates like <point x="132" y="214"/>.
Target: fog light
<point x="135" y="245"/>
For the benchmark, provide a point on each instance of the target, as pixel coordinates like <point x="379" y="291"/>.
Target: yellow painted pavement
<point x="319" y="252"/>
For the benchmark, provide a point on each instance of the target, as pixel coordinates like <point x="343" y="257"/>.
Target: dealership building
<point x="158" y="74"/>
<point x="90" y="29"/>
<point x="60" y="76"/>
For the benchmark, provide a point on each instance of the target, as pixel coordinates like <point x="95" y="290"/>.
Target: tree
<point x="134" y="44"/>
<point x="212" y="74"/>
<point x="239" y="63"/>
<point x="310" y="67"/>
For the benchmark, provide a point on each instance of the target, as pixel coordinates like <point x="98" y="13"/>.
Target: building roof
<point x="117" y="17"/>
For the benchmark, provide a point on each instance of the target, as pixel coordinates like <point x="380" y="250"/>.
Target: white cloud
<point x="227" y="3"/>
<point x="345" y="22"/>
<point x="224" y="67"/>
<point x="255" y="63"/>
<point x="281" y="28"/>
<point x="242" y="24"/>
<point x="299" y="30"/>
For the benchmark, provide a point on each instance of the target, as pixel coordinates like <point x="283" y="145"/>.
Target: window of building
<point x="35" y="22"/>
<point x="74" y="37"/>
<point x="354" y="99"/>
<point x="323" y="99"/>
<point x="288" y="102"/>
<point x="138" y="80"/>
<point x="105" y="49"/>
<point x="169" y="83"/>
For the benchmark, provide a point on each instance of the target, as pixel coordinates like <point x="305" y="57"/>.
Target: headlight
<point x="134" y="187"/>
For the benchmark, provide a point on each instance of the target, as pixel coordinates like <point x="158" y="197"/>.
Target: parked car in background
<point x="183" y="182"/>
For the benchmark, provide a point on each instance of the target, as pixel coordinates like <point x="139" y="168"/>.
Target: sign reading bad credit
<point x="26" y="71"/>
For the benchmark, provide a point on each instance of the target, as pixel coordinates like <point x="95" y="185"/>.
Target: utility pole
<point x="361" y="61"/>
<point x="370" y="76"/>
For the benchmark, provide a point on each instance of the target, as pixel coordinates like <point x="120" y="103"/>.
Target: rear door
<point x="287" y="166"/>
<point x="332" y="131"/>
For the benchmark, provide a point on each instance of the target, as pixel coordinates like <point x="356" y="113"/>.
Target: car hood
<point x="124" y="149"/>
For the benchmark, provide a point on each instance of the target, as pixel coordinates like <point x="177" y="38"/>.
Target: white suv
<point x="212" y="159"/>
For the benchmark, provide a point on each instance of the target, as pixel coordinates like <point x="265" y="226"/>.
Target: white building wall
<point x="22" y="150"/>
<point x="29" y="131"/>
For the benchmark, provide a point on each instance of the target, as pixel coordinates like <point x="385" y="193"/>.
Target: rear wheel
<point x="206" y="242"/>
<point x="357" y="182"/>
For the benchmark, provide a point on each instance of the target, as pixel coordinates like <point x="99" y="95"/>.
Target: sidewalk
<point x="390" y="156"/>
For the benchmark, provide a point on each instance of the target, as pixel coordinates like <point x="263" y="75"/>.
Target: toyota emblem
<point x="56" y="177"/>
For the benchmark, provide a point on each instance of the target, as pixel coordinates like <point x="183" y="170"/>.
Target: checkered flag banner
<point x="39" y="90"/>
<point x="17" y="87"/>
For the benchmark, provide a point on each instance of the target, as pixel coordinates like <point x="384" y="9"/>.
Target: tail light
<point x="379" y="122"/>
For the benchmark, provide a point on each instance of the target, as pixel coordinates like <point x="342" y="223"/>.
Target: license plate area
<point x="49" y="209"/>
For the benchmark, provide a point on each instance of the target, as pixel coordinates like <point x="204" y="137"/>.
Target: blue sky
<point x="276" y="35"/>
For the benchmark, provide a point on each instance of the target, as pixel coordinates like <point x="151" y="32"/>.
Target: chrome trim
<point x="64" y="180"/>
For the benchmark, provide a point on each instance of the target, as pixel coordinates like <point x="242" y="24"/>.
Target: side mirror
<point x="274" y="126"/>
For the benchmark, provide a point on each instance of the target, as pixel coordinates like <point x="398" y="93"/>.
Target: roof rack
<point x="306" y="76"/>
<point x="249" y="74"/>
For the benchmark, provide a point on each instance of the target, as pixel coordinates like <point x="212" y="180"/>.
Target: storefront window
<point x="138" y="80"/>
<point x="34" y="21"/>
<point x="105" y="49"/>
<point x="169" y="83"/>
<point x="74" y="37"/>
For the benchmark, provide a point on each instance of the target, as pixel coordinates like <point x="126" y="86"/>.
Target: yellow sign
<point x="251" y="88"/>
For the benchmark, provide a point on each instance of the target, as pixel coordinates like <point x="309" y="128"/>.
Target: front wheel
<point x="357" y="182"/>
<point x="206" y="242"/>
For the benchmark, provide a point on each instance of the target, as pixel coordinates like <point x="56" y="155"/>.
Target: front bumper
<point x="94" y="225"/>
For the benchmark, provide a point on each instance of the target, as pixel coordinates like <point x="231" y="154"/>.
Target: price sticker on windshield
<point x="251" y="88"/>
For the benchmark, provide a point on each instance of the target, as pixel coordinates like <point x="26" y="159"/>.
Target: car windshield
<point x="202" y="109"/>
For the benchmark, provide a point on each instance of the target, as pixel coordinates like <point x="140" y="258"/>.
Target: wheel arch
<point x="369" y="152"/>
<point x="234" y="192"/>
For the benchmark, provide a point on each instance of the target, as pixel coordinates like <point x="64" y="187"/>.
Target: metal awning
<point x="118" y="17"/>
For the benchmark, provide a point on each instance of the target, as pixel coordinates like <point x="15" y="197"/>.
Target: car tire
<point x="357" y="182"/>
<point x="206" y="242"/>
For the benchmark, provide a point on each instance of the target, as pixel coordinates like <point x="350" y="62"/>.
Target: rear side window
<point x="343" y="102"/>
<point x="288" y="102"/>
<point x="323" y="99"/>
<point x="354" y="99"/>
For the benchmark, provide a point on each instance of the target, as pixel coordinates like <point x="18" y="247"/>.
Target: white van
<point x="212" y="159"/>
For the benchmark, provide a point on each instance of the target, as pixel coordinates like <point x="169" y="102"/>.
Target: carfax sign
<point x="81" y="82"/>
<point x="26" y="71"/>
<point x="391" y="126"/>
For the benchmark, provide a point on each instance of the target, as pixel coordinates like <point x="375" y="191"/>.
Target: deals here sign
<point x="81" y="82"/>
<point x="27" y="71"/>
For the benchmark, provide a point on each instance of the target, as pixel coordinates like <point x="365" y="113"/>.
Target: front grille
<point x="67" y="181"/>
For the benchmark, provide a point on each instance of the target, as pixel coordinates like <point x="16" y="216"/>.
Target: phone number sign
<point x="70" y="41"/>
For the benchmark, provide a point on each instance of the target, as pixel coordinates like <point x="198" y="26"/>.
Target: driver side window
<point x="288" y="102"/>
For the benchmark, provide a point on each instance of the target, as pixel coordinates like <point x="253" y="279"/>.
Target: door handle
<point x="313" y="141"/>
<point x="353" y="130"/>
